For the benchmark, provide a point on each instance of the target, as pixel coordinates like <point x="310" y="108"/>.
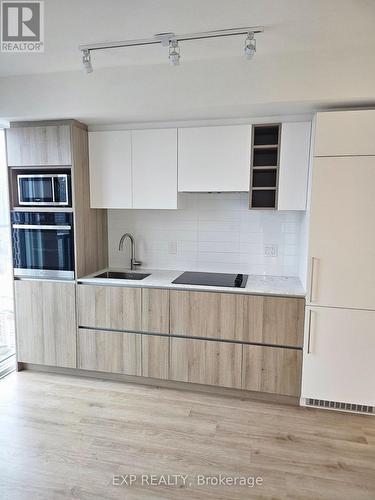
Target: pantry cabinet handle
<point x="313" y="259"/>
<point x="309" y="333"/>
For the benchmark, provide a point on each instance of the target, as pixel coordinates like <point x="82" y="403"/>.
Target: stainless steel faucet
<point x="133" y="261"/>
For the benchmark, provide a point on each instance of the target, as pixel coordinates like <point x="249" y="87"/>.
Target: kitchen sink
<point x="122" y="276"/>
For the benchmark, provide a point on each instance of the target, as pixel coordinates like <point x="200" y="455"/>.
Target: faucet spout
<point x="133" y="260"/>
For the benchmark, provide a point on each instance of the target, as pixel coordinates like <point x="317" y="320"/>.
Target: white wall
<point x="212" y="232"/>
<point x="229" y="88"/>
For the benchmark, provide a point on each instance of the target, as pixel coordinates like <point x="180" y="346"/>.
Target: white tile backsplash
<point x="212" y="232"/>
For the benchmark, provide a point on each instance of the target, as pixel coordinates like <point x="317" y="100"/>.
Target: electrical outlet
<point x="172" y="247"/>
<point x="270" y="250"/>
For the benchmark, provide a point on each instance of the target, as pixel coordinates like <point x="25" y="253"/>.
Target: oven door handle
<point x="36" y="226"/>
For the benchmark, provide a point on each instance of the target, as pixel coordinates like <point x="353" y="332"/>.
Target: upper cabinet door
<point x="294" y="165"/>
<point x="342" y="237"/>
<point x="214" y="158"/>
<point x="38" y="146"/>
<point x="110" y="169"/>
<point x="154" y="167"/>
<point x="345" y="133"/>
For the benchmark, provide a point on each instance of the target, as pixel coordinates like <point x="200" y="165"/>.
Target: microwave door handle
<point x="53" y="179"/>
<point x="19" y="189"/>
<point x="36" y="226"/>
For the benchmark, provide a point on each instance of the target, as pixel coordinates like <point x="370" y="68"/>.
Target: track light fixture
<point x="250" y="45"/>
<point x="171" y="41"/>
<point x="174" y="52"/>
<point x="86" y="61"/>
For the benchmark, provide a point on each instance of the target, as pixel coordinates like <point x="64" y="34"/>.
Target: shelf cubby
<point x="265" y="155"/>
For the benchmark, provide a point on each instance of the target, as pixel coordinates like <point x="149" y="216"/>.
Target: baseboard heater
<point x="337" y="405"/>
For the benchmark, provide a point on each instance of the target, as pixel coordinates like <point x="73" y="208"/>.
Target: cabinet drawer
<point x="206" y="362"/>
<point x="155" y="310"/>
<point x="155" y="356"/>
<point x="272" y="369"/>
<point x="246" y="318"/>
<point x="114" y="352"/>
<point x="38" y="146"/>
<point x="112" y="307"/>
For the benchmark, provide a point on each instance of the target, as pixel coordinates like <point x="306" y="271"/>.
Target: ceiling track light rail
<point x="171" y="40"/>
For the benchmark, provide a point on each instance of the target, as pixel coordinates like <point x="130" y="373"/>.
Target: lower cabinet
<point x="206" y="362"/>
<point x="241" y="317"/>
<point x="155" y="356"/>
<point x="114" y="352"/>
<point x="46" y="322"/>
<point x="115" y="307"/>
<point x="272" y="369"/>
<point x="155" y="310"/>
<point x="121" y="352"/>
<point x="205" y="338"/>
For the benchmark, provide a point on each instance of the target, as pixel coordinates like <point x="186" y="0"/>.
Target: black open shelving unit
<point x="265" y="156"/>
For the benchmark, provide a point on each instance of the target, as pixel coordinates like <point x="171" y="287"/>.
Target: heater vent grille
<point x="336" y="405"/>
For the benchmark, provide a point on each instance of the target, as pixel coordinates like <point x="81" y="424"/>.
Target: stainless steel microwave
<point x="49" y="189"/>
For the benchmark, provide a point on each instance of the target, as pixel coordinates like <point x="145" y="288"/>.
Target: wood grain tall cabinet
<point x="46" y="308"/>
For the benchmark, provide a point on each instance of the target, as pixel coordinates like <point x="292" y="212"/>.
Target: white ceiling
<point x="313" y="53"/>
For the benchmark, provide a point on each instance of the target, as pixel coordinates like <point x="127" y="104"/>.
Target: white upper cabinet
<point x="133" y="169"/>
<point x="154" y="167"/>
<point x="342" y="235"/>
<point x="294" y="165"/>
<point x="345" y="133"/>
<point x="110" y="169"/>
<point x="214" y="158"/>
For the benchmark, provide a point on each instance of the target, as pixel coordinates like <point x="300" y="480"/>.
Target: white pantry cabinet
<point x="342" y="235"/>
<point x="345" y="133"/>
<point x="154" y="168"/>
<point x="338" y="360"/>
<point x="214" y="158"/>
<point x="133" y="169"/>
<point x="294" y="165"/>
<point x="110" y="169"/>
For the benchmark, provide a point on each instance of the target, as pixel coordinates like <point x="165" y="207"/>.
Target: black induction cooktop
<point x="212" y="279"/>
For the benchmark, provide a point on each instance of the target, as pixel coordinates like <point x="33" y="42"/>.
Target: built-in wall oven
<point x="43" y="244"/>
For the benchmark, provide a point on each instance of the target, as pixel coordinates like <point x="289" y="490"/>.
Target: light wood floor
<point x="65" y="437"/>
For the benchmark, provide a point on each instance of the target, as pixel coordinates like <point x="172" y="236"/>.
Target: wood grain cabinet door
<point x="231" y="316"/>
<point x="155" y="356"/>
<point x="112" y="307"/>
<point x="206" y="362"/>
<point x="215" y="315"/>
<point x="38" y="146"/>
<point x="113" y="352"/>
<point x="46" y="323"/>
<point x="155" y="310"/>
<point x="282" y="321"/>
<point x="272" y="369"/>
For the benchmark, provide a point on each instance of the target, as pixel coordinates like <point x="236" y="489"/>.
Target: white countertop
<point x="258" y="285"/>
